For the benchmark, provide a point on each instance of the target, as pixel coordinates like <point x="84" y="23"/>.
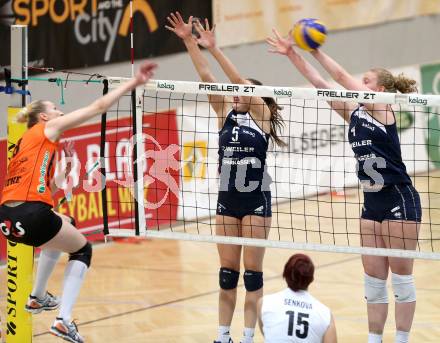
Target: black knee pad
<point x="84" y="255"/>
<point x="228" y="278"/>
<point x="72" y="221"/>
<point x="253" y="281"/>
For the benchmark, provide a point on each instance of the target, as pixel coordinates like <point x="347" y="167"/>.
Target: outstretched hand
<point x="69" y="151"/>
<point x="279" y="44"/>
<point x="207" y="36"/>
<point x="68" y="148"/>
<point x="145" y="72"/>
<point x="178" y="25"/>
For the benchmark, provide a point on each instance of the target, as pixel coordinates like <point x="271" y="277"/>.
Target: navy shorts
<point x="30" y="223"/>
<point x="393" y="202"/>
<point x="241" y="204"/>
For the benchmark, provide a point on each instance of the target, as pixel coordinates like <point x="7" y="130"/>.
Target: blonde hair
<point x="29" y="114"/>
<point x="393" y="83"/>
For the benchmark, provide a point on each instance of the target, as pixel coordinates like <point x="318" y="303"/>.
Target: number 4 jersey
<point x="290" y="316"/>
<point x="377" y="149"/>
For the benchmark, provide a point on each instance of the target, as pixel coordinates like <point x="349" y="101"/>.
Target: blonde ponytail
<point x="404" y="84"/>
<point x="23" y="115"/>
<point x="393" y="83"/>
<point x="30" y="113"/>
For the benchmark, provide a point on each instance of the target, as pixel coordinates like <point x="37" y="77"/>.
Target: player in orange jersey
<point x="26" y="214"/>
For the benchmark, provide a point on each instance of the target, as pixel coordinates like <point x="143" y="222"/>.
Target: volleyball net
<point x="165" y="160"/>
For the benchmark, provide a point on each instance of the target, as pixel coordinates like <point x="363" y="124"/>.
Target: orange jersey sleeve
<point x="31" y="168"/>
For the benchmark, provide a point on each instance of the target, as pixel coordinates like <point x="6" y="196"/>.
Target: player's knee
<point x="253" y="280"/>
<point x="403" y="288"/>
<point x="84" y="255"/>
<point x="228" y="278"/>
<point x="375" y="290"/>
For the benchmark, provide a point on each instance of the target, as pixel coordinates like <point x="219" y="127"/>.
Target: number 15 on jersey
<point x="302" y="324"/>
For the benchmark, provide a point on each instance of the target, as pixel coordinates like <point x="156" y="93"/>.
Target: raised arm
<point x="284" y="46"/>
<point x="346" y="80"/>
<point x="208" y="41"/>
<point x="184" y="31"/>
<point x="55" y="127"/>
<point x="258" y="107"/>
<point x="337" y="72"/>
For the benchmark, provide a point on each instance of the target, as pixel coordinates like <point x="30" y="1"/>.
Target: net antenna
<point x="138" y="148"/>
<point x="131" y="39"/>
<point x="305" y="215"/>
<point x="137" y="155"/>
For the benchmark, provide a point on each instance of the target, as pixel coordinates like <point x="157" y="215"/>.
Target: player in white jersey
<point x="293" y="314"/>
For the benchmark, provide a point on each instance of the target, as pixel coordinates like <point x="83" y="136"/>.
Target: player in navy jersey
<point x="244" y="201"/>
<point x="391" y="213"/>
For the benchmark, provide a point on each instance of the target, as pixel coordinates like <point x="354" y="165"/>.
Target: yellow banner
<point x="20" y="259"/>
<point x="248" y="21"/>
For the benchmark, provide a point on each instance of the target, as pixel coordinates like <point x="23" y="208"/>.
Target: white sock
<point x="73" y="279"/>
<point x="248" y="335"/>
<point x="46" y="263"/>
<point x="224" y="334"/>
<point x="374" y="338"/>
<point x="402" y="337"/>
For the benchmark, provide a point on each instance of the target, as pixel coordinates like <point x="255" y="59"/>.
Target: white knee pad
<point x="404" y="288"/>
<point x="375" y="290"/>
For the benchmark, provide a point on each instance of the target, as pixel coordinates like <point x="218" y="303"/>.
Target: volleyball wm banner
<point x="86" y="204"/>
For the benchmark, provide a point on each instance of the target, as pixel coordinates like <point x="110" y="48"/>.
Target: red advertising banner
<point x="160" y="195"/>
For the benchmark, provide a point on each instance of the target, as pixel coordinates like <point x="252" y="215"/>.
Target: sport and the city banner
<point x="247" y="21"/>
<point x="79" y="33"/>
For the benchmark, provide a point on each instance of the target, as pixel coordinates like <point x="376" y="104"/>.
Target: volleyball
<point x="309" y="34"/>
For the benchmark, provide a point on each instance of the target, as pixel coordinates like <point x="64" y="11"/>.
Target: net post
<point x="139" y="153"/>
<point x="102" y="166"/>
<point x="20" y="257"/>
